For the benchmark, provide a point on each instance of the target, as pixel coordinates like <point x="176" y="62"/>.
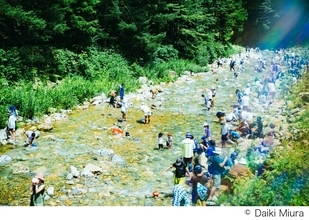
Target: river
<point x="77" y="140"/>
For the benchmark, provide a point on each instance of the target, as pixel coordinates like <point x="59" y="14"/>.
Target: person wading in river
<point x="180" y="172"/>
<point x="37" y="188"/>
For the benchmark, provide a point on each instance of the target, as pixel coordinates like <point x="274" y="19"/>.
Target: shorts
<point x="180" y="181"/>
<point x="217" y="181"/>
<point x="147" y="113"/>
<point x="123" y="112"/>
<point x="224" y="137"/>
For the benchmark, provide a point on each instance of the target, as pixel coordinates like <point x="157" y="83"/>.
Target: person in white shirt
<point x="188" y="146"/>
<point x="245" y="102"/>
<point x="271" y="91"/>
<point x="246" y="115"/>
<point x="237" y="112"/>
<point x="124" y="107"/>
<point x="247" y="90"/>
<point x="31" y="136"/>
<point x="225" y="128"/>
<point x="11" y="126"/>
<point x="147" y="112"/>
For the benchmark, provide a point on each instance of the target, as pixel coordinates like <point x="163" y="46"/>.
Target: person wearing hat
<point x="169" y="140"/>
<point x="207" y="131"/>
<point x="240" y="169"/>
<point x="188" y="147"/>
<point x="180" y="171"/>
<point x="217" y="169"/>
<point x="124" y="107"/>
<point x="147" y="112"/>
<point x="232" y="160"/>
<point x="199" y="190"/>
<point x="37" y="188"/>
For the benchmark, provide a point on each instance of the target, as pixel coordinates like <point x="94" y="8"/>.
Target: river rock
<point x="50" y="191"/>
<point x="92" y="168"/>
<point x="20" y="168"/>
<point x="4" y="160"/>
<point x="45" y="127"/>
<point x="118" y="160"/>
<point x="74" y="171"/>
<point x="106" y="153"/>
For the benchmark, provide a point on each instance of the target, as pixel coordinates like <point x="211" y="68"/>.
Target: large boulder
<point x="45" y="127"/>
<point x="5" y="159"/>
<point x="117" y="159"/>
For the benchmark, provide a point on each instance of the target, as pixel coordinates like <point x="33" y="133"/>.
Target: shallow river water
<point x="78" y="138"/>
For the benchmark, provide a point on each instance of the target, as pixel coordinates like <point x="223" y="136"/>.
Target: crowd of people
<point x="204" y="164"/>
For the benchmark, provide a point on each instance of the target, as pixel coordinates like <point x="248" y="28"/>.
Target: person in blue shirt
<point x="211" y="148"/>
<point x="121" y="91"/>
<point x="217" y="163"/>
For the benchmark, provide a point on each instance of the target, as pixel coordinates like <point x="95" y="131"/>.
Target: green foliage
<point x="10" y="64"/>
<point x="165" y="53"/>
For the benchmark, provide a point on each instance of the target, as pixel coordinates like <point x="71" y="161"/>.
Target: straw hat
<point x="243" y="161"/>
<point x="40" y="176"/>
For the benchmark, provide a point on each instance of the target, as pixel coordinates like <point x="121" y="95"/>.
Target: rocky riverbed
<point x="86" y="165"/>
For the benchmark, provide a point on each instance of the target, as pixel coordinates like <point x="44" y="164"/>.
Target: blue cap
<point x="198" y="169"/>
<point x="189" y="135"/>
<point x="234" y="154"/>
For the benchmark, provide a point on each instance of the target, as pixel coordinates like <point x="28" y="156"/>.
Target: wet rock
<point x="117" y="159"/>
<point x="294" y="111"/>
<point x="74" y="171"/>
<point x="92" y="168"/>
<point x="50" y="191"/>
<point x="87" y="173"/>
<point x="45" y="127"/>
<point x="143" y="80"/>
<point x="106" y="153"/>
<point x="49" y="137"/>
<point x="20" y="168"/>
<point x="4" y="160"/>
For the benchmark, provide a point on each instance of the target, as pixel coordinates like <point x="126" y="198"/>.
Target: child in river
<point x="160" y="140"/>
<point x="169" y="141"/>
